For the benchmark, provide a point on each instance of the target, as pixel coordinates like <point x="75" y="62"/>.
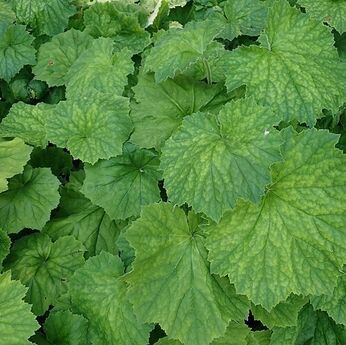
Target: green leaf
<point x="63" y="327"/>
<point x="178" y="49"/>
<point x="175" y="98"/>
<point x="17" y="323"/>
<point x="44" y="267"/>
<point x="332" y="12"/>
<point x="284" y="314"/>
<point x="292" y="68"/>
<point x="6" y="13"/>
<point x="259" y="338"/>
<point x="110" y="314"/>
<point x="5" y="244"/>
<point x="171" y="282"/>
<point x="29" y="200"/>
<point x="27" y="122"/>
<point x="295" y="240"/>
<point x="314" y="328"/>
<point x="99" y="69"/>
<point x="122" y="185"/>
<point x="56" y="57"/>
<point x="91" y="128"/>
<point x="86" y="222"/>
<point x="45" y="17"/>
<point x="13" y="156"/>
<point x="334" y="304"/>
<point x="212" y="161"/>
<point x="244" y="17"/>
<point x="15" y="50"/>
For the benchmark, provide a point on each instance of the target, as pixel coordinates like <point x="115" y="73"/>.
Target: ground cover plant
<point x="172" y="172"/>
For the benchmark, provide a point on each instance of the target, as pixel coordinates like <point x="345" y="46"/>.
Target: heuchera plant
<point x="172" y="172"/>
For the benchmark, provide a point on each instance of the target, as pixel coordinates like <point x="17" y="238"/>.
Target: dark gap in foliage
<point x="156" y="334"/>
<point x="254" y="324"/>
<point x="163" y="192"/>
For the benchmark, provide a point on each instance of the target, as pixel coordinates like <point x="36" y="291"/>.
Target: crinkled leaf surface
<point x="86" y="222"/>
<point x="335" y="304"/>
<point x="122" y="185"/>
<point x="259" y="338"/>
<point x="160" y="108"/>
<point x="6" y="13"/>
<point x="5" y="243"/>
<point x="44" y="266"/>
<point x="177" y="49"/>
<point x="91" y="128"/>
<point x="57" y="56"/>
<point x="171" y="283"/>
<point x="99" y="68"/>
<point x="13" y="156"/>
<point x="29" y="200"/>
<point x="295" y="239"/>
<point x="292" y="68"/>
<point x="16" y="50"/>
<point x="17" y="323"/>
<point x="45" y="17"/>
<point x="63" y="327"/>
<point x="27" y="122"/>
<point x="214" y="160"/>
<point x="110" y="314"/>
<point x="331" y="11"/>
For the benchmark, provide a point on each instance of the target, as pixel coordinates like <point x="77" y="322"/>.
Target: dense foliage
<point x="172" y="172"/>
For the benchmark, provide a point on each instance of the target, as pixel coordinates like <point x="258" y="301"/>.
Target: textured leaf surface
<point x="44" y="266"/>
<point x="86" y="222"/>
<point x="295" y="240"/>
<point x="171" y="283"/>
<point x="177" y="49"/>
<point x="47" y="17"/>
<point x="5" y="243"/>
<point x="57" y="56"/>
<point x="98" y="68"/>
<point x="92" y="128"/>
<point x="17" y="323"/>
<point x="13" y="156"/>
<point x="214" y="160"/>
<point x="331" y="11"/>
<point x="6" y="13"/>
<point x="15" y="50"/>
<point x="292" y="68"/>
<point x="160" y="108"/>
<point x="27" y="122"/>
<point x="122" y="185"/>
<point x="335" y="304"/>
<point x="29" y="200"/>
<point x="63" y="327"/>
<point x="110" y="314"/>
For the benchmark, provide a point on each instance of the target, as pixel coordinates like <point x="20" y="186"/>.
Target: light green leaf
<point x="177" y="49"/>
<point x="15" y="50"/>
<point x="159" y="108"/>
<point x="46" y="17"/>
<point x="295" y="240"/>
<point x="27" y="122"/>
<point x="29" y="200"/>
<point x="332" y="12"/>
<point x="6" y="13"/>
<point x="57" y="56"/>
<point x="244" y="17"/>
<point x="292" y="68"/>
<point x="171" y="282"/>
<point x="284" y="314"/>
<point x="13" y="156"/>
<point x="212" y="161"/>
<point x="63" y="327"/>
<point x="99" y="69"/>
<point x="314" y="328"/>
<point x="99" y="294"/>
<point x="91" y="128"/>
<point x="17" y="323"/>
<point x="259" y="338"/>
<point x="44" y="267"/>
<point x="335" y="304"/>
<point x="122" y="185"/>
<point x="5" y="244"/>
<point x="86" y="222"/>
